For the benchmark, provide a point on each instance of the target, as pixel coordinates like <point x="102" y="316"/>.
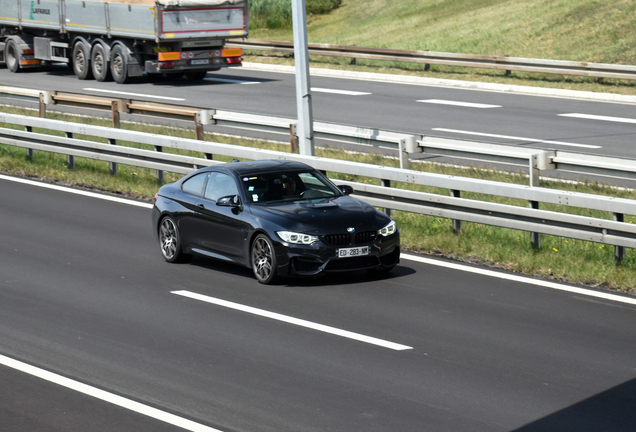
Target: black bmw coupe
<point x="277" y="217"/>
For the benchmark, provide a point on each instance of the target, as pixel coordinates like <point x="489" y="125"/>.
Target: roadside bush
<point x="277" y="14"/>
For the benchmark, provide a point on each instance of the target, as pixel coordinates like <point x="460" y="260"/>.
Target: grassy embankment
<point x="541" y="28"/>
<point x="576" y="30"/>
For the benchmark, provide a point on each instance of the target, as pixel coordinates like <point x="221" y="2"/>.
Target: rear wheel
<point x="12" y="56"/>
<point x="170" y="241"/>
<point x="81" y="61"/>
<point x="99" y="64"/>
<point x="119" y="65"/>
<point x="263" y="259"/>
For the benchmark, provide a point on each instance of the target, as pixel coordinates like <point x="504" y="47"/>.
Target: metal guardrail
<point x="507" y="63"/>
<point x="403" y="144"/>
<point x="616" y="233"/>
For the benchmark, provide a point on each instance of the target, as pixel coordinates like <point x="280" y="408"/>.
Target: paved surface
<point x="85" y="294"/>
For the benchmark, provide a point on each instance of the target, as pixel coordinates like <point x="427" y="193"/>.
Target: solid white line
<point x="133" y="94"/>
<point x="76" y="191"/>
<point x="106" y="396"/>
<point x="231" y="81"/>
<point x="534" y="140"/>
<point x="522" y="279"/>
<point x="291" y="320"/>
<point x="457" y="103"/>
<point x="598" y="117"/>
<point x="342" y="92"/>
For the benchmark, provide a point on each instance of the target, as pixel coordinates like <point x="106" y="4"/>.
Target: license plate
<point x="199" y="62"/>
<point x="353" y="252"/>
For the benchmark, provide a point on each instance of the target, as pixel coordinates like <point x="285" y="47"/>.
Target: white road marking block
<point x="291" y="320"/>
<point x="105" y="396"/>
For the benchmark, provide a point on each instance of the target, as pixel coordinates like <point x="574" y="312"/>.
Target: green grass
<point x="576" y="30"/>
<point x="558" y="258"/>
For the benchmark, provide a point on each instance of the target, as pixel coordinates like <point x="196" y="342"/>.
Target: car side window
<point x="220" y="185"/>
<point x="194" y="185"/>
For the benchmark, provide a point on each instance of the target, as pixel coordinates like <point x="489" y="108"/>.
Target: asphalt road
<point x="545" y="122"/>
<point x="85" y="295"/>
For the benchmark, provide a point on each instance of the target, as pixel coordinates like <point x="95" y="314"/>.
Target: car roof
<point x="261" y="167"/>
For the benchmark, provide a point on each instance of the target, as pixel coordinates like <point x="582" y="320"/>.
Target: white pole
<point x="303" y="94"/>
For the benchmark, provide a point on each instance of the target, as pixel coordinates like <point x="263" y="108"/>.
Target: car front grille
<point x="356" y="263"/>
<point x="349" y="239"/>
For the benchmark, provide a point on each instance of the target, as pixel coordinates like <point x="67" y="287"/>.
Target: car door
<point x="191" y="192"/>
<point x="221" y="230"/>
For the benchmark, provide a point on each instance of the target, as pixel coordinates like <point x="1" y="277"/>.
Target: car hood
<point x="333" y="216"/>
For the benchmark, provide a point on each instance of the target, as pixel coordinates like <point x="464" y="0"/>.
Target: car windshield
<point x="287" y="186"/>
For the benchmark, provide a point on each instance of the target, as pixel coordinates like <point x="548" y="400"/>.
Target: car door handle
<point x="201" y="206"/>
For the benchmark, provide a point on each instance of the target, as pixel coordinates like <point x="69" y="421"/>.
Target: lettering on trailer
<point x="38" y="11"/>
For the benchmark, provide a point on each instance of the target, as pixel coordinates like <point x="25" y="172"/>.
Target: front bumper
<point x="320" y="258"/>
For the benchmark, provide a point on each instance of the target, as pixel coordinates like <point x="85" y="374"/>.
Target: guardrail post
<point x="534" y="170"/>
<point x="198" y="127"/>
<point x="70" y="159"/>
<point x="42" y="107"/>
<point x="386" y="183"/>
<point x="535" y="238"/>
<point x="619" y="251"/>
<point x="457" y="224"/>
<point x="293" y="138"/>
<point x="29" y="151"/>
<point x="114" y="108"/>
<point x="406" y="144"/>
<point x="159" y="172"/>
<point x="113" y="165"/>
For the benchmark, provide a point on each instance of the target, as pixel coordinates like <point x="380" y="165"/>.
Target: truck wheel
<point x="196" y="76"/>
<point x="119" y="65"/>
<point x="81" y="61"/>
<point x="12" y="56"/>
<point x="99" y="64"/>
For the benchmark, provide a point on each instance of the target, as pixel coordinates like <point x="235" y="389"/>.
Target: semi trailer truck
<point x="121" y="40"/>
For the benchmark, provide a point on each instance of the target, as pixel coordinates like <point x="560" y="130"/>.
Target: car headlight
<point x="297" y="238"/>
<point x="391" y="228"/>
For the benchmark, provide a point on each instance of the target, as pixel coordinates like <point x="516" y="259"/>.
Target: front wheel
<point x="170" y="241"/>
<point x="263" y="259"/>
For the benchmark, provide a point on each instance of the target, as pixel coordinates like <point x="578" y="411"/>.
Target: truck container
<point x="121" y="40"/>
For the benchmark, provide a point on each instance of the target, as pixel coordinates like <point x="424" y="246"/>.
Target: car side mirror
<point x="229" y="201"/>
<point x="346" y="189"/>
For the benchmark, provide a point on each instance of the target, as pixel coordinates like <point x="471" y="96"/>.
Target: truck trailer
<point x="121" y="40"/>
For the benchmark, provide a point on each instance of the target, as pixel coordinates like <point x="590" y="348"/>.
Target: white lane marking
<point x="598" y="117"/>
<point x="76" y="191"/>
<point x="533" y="140"/>
<point x="342" y="92"/>
<point x="230" y="81"/>
<point x="457" y="103"/>
<point x="295" y="321"/>
<point x="522" y="279"/>
<point x="106" y="396"/>
<point x="133" y="94"/>
<point x="459" y="267"/>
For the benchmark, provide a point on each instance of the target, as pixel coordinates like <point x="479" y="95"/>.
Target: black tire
<point x="99" y="64"/>
<point x="170" y="241"/>
<point x="119" y="65"/>
<point x="263" y="259"/>
<point x="196" y="75"/>
<point x="12" y="56"/>
<point x="81" y="61"/>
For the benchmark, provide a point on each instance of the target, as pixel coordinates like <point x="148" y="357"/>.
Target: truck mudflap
<point x="201" y="60"/>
